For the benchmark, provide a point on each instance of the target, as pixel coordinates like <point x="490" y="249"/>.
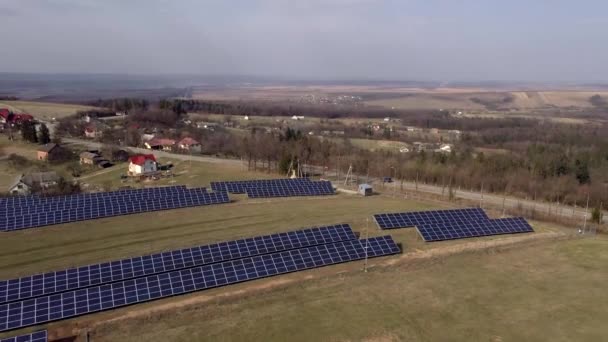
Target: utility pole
<point x="586" y="213"/>
<point x="481" y="197"/>
<point x="394" y="181"/>
<point x="366" y="244"/>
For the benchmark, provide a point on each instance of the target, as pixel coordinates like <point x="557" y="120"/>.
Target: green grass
<point x="50" y="248"/>
<point x="184" y="173"/>
<point x="550" y="292"/>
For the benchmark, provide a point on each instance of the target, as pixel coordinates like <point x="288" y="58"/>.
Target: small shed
<point x="365" y="189"/>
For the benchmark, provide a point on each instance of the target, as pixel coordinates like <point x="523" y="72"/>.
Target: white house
<point x="387" y="119"/>
<point x="297" y="117"/>
<point x="246" y="117"/>
<point x="404" y="150"/>
<point x="142" y="164"/>
<point x="445" y="148"/>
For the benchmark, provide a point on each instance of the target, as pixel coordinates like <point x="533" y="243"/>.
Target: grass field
<point x="44" y="110"/>
<point x="467" y="297"/>
<point x="184" y="173"/>
<point x="549" y="292"/>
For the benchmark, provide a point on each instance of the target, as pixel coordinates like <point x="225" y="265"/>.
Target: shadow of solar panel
<point x="96" y="274"/>
<point x="113" y="207"/>
<point x="240" y="187"/>
<point x="109" y="296"/>
<point x="451" y="230"/>
<point x="39" y="336"/>
<point x="414" y="218"/>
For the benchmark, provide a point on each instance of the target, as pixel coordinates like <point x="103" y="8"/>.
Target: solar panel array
<point x="108" y="296"/>
<point x="320" y="188"/>
<point x="411" y="219"/>
<point x="96" y="274"/>
<point x="40" y="211"/>
<point x="10" y="202"/>
<point x="453" y="230"/>
<point x="38" y="336"/>
<point x="438" y="225"/>
<point x="240" y="187"/>
<point x="285" y="187"/>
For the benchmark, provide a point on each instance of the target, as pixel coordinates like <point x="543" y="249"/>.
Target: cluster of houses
<point x="186" y="144"/>
<point x="9" y="118"/>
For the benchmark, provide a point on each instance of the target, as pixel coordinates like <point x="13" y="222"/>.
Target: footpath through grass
<point x="550" y="292"/>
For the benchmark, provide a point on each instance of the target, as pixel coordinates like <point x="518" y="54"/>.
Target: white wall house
<point x="142" y="164"/>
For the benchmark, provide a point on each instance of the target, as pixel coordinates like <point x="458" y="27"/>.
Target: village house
<point x="142" y="164"/>
<point x="48" y="152"/>
<point x="206" y="125"/>
<point x="24" y="184"/>
<point x="7" y="117"/>
<point x="88" y="158"/>
<point x="160" y="144"/>
<point x="189" y="145"/>
<point x="92" y="131"/>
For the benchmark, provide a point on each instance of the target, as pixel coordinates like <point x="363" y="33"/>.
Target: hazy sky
<point x="531" y="40"/>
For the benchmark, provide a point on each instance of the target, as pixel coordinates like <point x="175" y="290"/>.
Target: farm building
<point x="189" y="145"/>
<point x="160" y="144"/>
<point x="48" y="152"/>
<point x="23" y="184"/>
<point x="88" y="158"/>
<point x="141" y="164"/>
<point x="365" y="189"/>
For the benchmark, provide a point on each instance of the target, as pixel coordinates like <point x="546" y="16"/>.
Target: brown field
<point x="411" y="98"/>
<point x="44" y="110"/>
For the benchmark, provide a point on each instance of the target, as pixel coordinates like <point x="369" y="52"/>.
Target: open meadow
<point x="472" y="289"/>
<point x="44" y="110"/>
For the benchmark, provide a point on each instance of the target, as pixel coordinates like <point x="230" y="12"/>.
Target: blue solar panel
<point x="320" y="188"/>
<point x="39" y="336"/>
<point x="113" y="207"/>
<point x="12" y="202"/>
<point x="411" y="219"/>
<point x="109" y="296"/>
<point x="240" y="187"/>
<point x="76" y="278"/>
<point x="453" y="230"/>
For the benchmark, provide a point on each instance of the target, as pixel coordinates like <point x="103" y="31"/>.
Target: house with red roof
<point x="7" y="116"/>
<point x="160" y="144"/>
<point x="142" y="164"/>
<point x="190" y="145"/>
<point x="4" y="115"/>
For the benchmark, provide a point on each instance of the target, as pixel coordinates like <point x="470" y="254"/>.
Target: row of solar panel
<point x="111" y="209"/>
<point x="240" y="187"/>
<point x="35" y="199"/>
<point x="108" y="296"/>
<point x="453" y="230"/>
<point x="438" y="225"/>
<point x="38" y="336"/>
<point x="96" y="274"/>
<point x="411" y="219"/>
<point x="95" y="202"/>
<point x="313" y="189"/>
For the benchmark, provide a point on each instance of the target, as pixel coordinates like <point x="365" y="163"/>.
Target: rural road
<point x="493" y="199"/>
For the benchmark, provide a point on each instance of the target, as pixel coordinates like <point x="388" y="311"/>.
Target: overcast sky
<point x="528" y="40"/>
